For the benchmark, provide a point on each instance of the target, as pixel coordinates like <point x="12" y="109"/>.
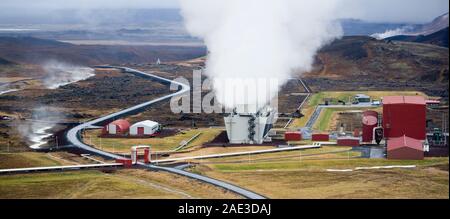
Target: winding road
<point x="74" y="134"/>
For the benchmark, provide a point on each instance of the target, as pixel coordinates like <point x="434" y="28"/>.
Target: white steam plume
<point x="60" y="74"/>
<point x="390" y="33"/>
<point x="255" y="39"/>
<point x="36" y="130"/>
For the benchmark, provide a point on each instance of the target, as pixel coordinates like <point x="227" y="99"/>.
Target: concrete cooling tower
<point x="248" y="125"/>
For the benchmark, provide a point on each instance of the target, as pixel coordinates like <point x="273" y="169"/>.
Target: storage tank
<point x="369" y="122"/>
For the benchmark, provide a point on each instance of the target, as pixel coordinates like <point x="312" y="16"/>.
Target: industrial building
<point x="405" y="148"/>
<point x="118" y="127"/>
<point x="404" y="116"/>
<point x="320" y="137"/>
<point x="348" y="141"/>
<point x="248" y="125"/>
<point x="145" y="128"/>
<point x="292" y="136"/>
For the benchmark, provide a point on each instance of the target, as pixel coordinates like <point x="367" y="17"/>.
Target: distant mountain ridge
<point x="5" y="62"/>
<point x="439" y="38"/>
<point x="434" y="26"/>
<point x="435" y="32"/>
<point x="30" y="50"/>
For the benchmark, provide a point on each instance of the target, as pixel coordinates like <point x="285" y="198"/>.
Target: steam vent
<point x="248" y="125"/>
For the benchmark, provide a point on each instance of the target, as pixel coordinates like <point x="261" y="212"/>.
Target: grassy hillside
<point x="363" y="63"/>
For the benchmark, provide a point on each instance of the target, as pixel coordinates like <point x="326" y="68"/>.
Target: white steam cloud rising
<point x="390" y="33"/>
<point x="254" y="39"/>
<point x="60" y="74"/>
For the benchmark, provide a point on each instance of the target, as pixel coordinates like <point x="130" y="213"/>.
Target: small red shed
<point x="292" y="136"/>
<point x="118" y="127"/>
<point x="348" y="141"/>
<point x="405" y="148"/>
<point x="320" y="137"/>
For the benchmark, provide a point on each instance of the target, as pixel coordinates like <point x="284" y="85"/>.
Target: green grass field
<point x="158" y="144"/>
<point x="27" y="159"/>
<point x="96" y="184"/>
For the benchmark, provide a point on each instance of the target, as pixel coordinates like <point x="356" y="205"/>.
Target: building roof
<point x="348" y="138"/>
<point x="122" y="123"/>
<point x="148" y="123"/>
<point x="361" y="96"/>
<point x="404" y="141"/>
<point x="432" y="102"/>
<point x="369" y="120"/>
<point x="418" y="100"/>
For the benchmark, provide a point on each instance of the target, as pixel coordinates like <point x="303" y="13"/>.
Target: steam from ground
<point x="60" y="74"/>
<point x="254" y="40"/>
<point x="391" y="33"/>
<point x="37" y="130"/>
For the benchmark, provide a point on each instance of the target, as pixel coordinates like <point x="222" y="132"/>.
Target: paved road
<point x="228" y="186"/>
<point x="308" y="94"/>
<point x="319" y="108"/>
<point x="73" y="135"/>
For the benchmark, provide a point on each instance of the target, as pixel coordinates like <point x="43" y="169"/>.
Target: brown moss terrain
<point x="363" y="63"/>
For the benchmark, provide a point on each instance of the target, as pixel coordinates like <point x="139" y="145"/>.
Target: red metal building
<point x="369" y="122"/>
<point x="348" y="141"/>
<point x="320" y="137"/>
<point x="118" y="127"/>
<point x="404" y="115"/>
<point x="405" y="148"/>
<point x="292" y="136"/>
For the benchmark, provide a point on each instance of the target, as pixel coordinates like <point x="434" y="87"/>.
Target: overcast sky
<point x="417" y="11"/>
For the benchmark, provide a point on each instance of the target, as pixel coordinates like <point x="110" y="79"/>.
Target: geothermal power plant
<point x="249" y="125"/>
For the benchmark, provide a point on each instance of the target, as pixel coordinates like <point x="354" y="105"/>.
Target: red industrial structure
<point x="320" y="137"/>
<point x="348" y="141"/>
<point x="404" y="115"/>
<point x="134" y="153"/>
<point x="126" y="162"/>
<point x="292" y="136"/>
<point x="405" y="148"/>
<point x="369" y="122"/>
<point x="118" y="127"/>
